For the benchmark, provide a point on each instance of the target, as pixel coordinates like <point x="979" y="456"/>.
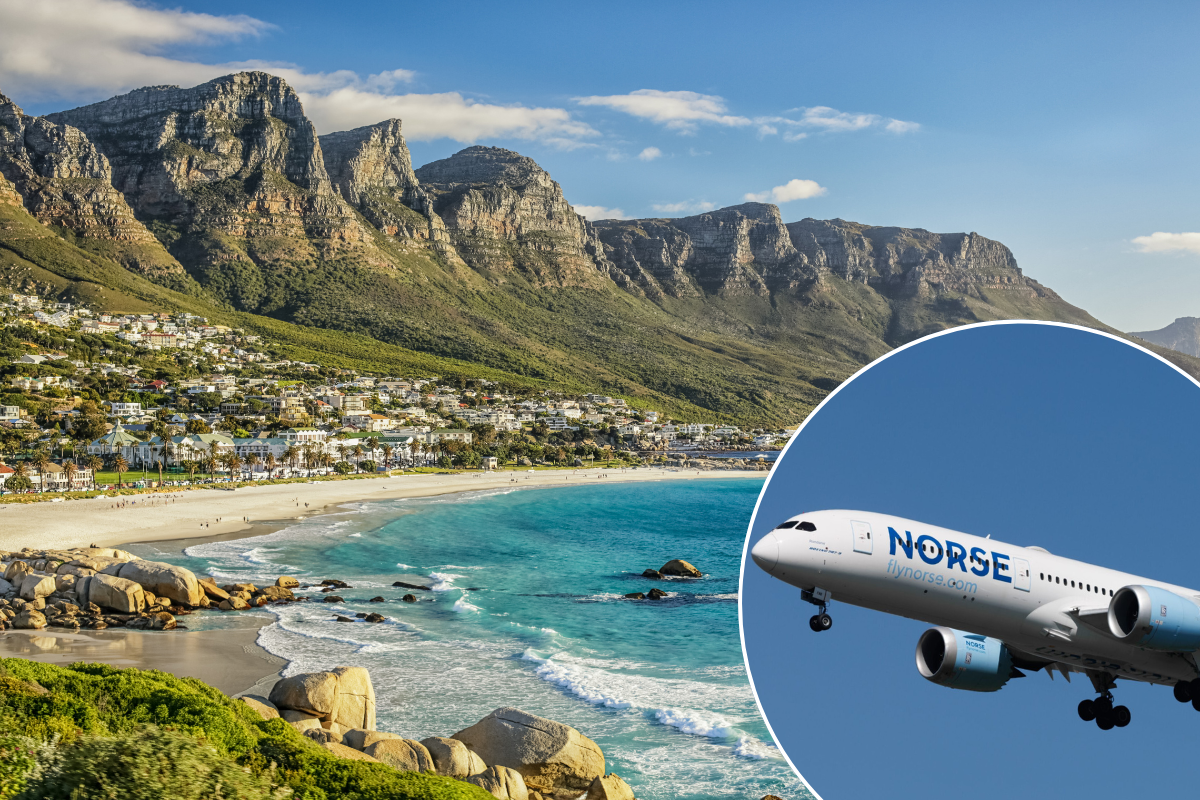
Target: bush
<point x="149" y="764"/>
<point x="17" y="760"/>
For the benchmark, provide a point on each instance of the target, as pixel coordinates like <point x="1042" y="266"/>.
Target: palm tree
<point x="342" y="450"/>
<point x="358" y="454"/>
<point x="252" y="461"/>
<point x="69" y="471"/>
<point x="270" y="463"/>
<point x="94" y="463"/>
<point x="387" y="457"/>
<point x="39" y="460"/>
<point x="120" y="465"/>
<point x="290" y="454"/>
<point x="209" y="463"/>
<point x="234" y="462"/>
<point x="159" y="462"/>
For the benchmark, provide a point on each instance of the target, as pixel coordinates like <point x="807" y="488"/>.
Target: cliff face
<point x="1182" y="335"/>
<point x="235" y="155"/>
<point x="371" y="169"/>
<point x="505" y="213"/>
<point x="65" y="181"/>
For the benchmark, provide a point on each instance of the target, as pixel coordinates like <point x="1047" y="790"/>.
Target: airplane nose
<point x="766" y="552"/>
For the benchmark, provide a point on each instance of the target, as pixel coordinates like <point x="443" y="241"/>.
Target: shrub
<point x="148" y="764"/>
<point x="18" y="757"/>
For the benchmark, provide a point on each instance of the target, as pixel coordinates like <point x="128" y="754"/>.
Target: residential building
<point x="449" y="435"/>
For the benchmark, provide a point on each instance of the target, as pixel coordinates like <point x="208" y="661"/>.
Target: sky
<point x="1066" y="131"/>
<point x="1035" y="435"/>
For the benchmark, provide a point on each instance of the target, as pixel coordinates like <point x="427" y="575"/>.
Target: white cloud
<point x="649" y="154"/>
<point x="679" y="111"/>
<point x="684" y="206"/>
<point x="1160" y="242"/>
<point x="795" y="189"/>
<point x="599" y="212"/>
<point x="85" y="50"/>
<point x="830" y="120"/>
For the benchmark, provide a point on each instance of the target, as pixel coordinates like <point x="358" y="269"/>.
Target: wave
<point x="754" y="749"/>
<point x="461" y="604"/>
<point x="443" y="581"/>
<point x="574" y="682"/>
<point x="697" y="723"/>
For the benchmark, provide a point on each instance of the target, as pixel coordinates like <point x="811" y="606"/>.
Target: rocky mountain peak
<point x="479" y="164"/>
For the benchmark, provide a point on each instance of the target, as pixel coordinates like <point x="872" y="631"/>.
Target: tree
<point x="191" y="465"/>
<point x="342" y="467"/>
<point x="359" y="451"/>
<point x="252" y="461"/>
<point x="369" y="465"/>
<point x="40" y="459"/>
<point x="69" y="471"/>
<point x="94" y="463"/>
<point x="120" y="466"/>
<point x="290" y="455"/>
<point x="270" y="463"/>
<point x="234" y="463"/>
<point x="210" y="465"/>
<point x="159" y="464"/>
<point x="197" y="426"/>
<point x="387" y="456"/>
<point x="18" y="483"/>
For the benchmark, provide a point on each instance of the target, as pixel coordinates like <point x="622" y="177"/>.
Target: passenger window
<point x="1041" y="576"/>
<point x="1056" y="580"/>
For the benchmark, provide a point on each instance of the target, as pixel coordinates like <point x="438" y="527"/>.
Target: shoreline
<point x="231" y="658"/>
<point x="111" y="522"/>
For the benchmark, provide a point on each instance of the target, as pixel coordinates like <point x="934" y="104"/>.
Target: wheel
<point x="814" y="622"/>
<point x="1182" y="692"/>
<point x="825" y="621"/>
<point x="1103" y="705"/>
<point x="1105" y="722"/>
<point x="1087" y="710"/>
<point x="1196" y="702"/>
<point x="1121" y="716"/>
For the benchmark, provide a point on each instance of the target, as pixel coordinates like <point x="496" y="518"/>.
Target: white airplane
<point x="999" y="609"/>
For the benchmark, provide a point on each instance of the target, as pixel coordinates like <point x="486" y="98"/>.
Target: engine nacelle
<point x="1154" y="618"/>
<point x="964" y="660"/>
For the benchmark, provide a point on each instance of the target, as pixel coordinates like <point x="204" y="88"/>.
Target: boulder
<point x="300" y="721"/>
<point x="361" y="739"/>
<point x="310" y="692"/>
<point x="333" y="598"/>
<point x="344" y="696"/>
<point x="106" y="591"/>
<point x="610" y="787"/>
<point x="341" y="751"/>
<point x="276" y="593"/>
<point x="409" y="598"/>
<point x="377" y="600"/>
<point x="340" y="618"/>
<point x="29" y="619"/>
<point x="680" y="568"/>
<point x="105" y="552"/>
<point x="233" y="604"/>
<point x="165" y="580"/>
<point x="287" y="582"/>
<point x="16" y="571"/>
<point x="403" y="754"/>
<point x="324" y="736"/>
<point x="656" y="594"/>
<point x="6" y="587"/>
<point x="265" y="708"/>
<point x="636" y="596"/>
<point x="374" y="618"/>
<point x="162" y="621"/>
<point x="64" y="583"/>
<point x="553" y="758"/>
<point x="452" y="758"/>
<point x="34" y="586"/>
<point x="213" y="591"/>
<point x="501" y="782"/>
<point x="71" y="568"/>
<point x="652" y="573"/>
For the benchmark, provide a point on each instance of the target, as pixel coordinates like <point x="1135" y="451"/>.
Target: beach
<point x="230" y="658"/>
<point x="113" y="521"/>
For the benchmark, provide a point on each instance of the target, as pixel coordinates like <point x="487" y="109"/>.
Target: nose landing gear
<point x="820" y="598"/>
<point x="1104" y="713"/>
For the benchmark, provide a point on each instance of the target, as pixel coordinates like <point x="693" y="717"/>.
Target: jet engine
<point x="964" y="660"/>
<point x="1150" y="617"/>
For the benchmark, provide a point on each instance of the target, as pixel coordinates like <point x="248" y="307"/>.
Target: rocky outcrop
<point x="343" y="696"/>
<point x="610" y="787"/>
<point x="235" y="157"/>
<point x="403" y="754"/>
<point x="166" y="580"/>
<point x="502" y="783"/>
<point x="677" y="567"/>
<point x="553" y="758"/>
<point x="452" y="758"/>
<point x="65" y="181"/>
<point x="504" y="213"/>
<point x="372" y="170"/>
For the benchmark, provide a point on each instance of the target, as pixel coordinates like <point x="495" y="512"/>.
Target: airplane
<point x="999" y="610"/>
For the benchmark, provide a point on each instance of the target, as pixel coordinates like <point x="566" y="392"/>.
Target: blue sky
<point x="1036" y="435"/>
<point x="1066" y="131"/>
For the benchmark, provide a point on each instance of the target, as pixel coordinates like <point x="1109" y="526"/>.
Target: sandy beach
<point x="230" y="659"/>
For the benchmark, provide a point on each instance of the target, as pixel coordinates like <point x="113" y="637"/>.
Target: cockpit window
<point x="806" y="526"/>
<point x="791" y="523"/>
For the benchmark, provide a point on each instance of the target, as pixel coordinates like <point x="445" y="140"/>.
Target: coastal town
<point x="97" y="401"/>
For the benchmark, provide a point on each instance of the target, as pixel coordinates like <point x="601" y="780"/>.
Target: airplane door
<point x="862" y="537"/>
<point x="1022" y="579"/>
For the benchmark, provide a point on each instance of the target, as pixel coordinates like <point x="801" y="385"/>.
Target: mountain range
<point x="222" y="199"/>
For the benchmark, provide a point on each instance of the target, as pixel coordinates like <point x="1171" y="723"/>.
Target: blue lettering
<point x="996" y="559"/>
<point x="937" y="548"/>
<point x="956" y="554"/>
<point x="894" y="539"/>
<point x="977" y="554"/>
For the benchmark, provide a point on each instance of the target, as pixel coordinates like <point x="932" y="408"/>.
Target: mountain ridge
<point x="479" y="257"/>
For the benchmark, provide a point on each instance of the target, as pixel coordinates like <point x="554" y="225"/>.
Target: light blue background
<point x="1037" y="435"/>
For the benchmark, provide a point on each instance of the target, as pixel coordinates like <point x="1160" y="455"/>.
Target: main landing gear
<point x="1189" y="691"/>
<point x="1104" y="713"/>
<point x="818" y="597"/>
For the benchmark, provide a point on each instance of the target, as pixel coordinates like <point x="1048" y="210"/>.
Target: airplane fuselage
<point x="1039" y="604"/>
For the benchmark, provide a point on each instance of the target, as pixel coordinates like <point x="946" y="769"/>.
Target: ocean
<point x="526" y="610"/>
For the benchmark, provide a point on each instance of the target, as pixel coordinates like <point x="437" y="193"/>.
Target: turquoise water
<point x="527" y="611"/>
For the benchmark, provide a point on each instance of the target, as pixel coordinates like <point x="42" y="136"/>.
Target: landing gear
<point x="820" y="598"/>
<point x="820" y="622"/>
<point x="1183" y="692"/>
<point x="1104" y="713"/>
